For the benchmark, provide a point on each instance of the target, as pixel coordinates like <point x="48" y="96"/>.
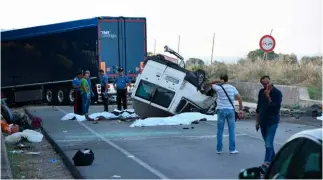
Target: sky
<point x="238" y="25"/>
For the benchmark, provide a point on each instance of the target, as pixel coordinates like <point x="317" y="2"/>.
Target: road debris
<point x="33" y="153"/>
<point x="16" y="151"/>
<point x="30" y="135"/>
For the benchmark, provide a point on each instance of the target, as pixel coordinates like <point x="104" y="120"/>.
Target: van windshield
<point x="156" y="94"/>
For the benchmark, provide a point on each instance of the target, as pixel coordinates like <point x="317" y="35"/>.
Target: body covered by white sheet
<point x="106" y="115"/>
<point x="178" y="119"/>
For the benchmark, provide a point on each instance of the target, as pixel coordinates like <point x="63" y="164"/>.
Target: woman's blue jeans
<point x="229" y="116"/>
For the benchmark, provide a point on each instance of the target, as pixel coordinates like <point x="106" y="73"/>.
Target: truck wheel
<point x="62" y="96"/>
<point x="50" y="97"/>
<point x="71" y="97"/>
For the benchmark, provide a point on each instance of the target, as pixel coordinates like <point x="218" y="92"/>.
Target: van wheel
<point x="200" y="76"/>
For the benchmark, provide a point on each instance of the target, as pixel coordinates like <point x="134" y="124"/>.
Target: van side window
<point x="145" y="90"/>
<point x="163" y="97"/>
<point x="156" y="94"/>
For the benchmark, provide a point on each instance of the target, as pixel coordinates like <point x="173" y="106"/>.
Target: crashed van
<point x="164" y="88"/>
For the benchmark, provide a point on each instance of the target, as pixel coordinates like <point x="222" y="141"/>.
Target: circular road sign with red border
<point x="267" y="43"/>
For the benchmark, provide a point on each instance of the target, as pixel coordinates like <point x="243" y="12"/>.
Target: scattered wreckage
<point x="164" y="88"/>
<point x="17" y="127"/>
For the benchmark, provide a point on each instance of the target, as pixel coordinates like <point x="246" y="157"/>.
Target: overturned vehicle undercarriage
<point x="165" y="88"/>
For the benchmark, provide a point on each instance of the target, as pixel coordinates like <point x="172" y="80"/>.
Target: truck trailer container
<point x="39" y="63"/>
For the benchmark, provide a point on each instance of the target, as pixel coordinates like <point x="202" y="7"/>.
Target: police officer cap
<point x="120" y="69"/>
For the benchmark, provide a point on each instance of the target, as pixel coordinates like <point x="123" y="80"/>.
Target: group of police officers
<point x="83" y="91"/>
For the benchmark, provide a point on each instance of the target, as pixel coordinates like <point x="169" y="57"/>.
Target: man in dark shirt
<point x="267" y="116"/>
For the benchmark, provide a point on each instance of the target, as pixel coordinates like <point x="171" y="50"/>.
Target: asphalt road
<point x="157" y="152"/>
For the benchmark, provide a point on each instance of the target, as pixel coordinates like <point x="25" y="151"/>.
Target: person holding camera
<point x="268" y="116"/>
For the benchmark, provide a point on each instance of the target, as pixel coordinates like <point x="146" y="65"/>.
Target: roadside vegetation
<point x="284" y="69"/>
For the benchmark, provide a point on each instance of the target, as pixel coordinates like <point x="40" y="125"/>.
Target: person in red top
<point x="77" y="96"/>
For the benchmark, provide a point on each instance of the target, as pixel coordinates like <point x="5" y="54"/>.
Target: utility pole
<point x="179" y="41"/>
<point x="212" y="48"/>
<point x="155" y="47"/>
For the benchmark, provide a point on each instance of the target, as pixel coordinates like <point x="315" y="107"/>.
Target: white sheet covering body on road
<point x="128" y="113"/>
<point x="178" y="119"/>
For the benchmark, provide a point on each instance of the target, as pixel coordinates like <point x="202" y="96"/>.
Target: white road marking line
<point x="137" y="160"/>
<point x="38" y="107"/>
<point x="151" y="137"/>
<point x="256" y="137"/>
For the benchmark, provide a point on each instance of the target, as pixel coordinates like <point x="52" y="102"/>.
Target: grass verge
<point x="315" y="93"/>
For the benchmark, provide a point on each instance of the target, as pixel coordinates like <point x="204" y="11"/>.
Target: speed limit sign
<point x="267" y="43"/>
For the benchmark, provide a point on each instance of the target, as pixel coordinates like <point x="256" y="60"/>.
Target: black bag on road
<point x="83" y="157"/>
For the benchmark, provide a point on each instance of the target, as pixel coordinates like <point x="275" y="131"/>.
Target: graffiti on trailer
<point x="108" y="34"/>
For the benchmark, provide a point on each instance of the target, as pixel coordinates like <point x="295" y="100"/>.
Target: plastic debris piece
<point x="32" y="153"/>
<point x="16" y="151"/>
<point x="115" y="176"/>
<point x="14" y="138"/>
<point x="32" y="136"/>
<point x="52" y="160"/>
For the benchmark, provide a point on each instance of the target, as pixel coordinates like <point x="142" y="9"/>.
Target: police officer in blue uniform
<point x="121" y="83"/>
<point x="104" y="89"/>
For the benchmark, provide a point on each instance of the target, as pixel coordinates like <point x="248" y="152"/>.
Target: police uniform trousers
<point x="122" y="96"/>
<point x="105" y="100"/>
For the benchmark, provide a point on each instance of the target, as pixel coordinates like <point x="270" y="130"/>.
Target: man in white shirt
<point x="226" y="111"/>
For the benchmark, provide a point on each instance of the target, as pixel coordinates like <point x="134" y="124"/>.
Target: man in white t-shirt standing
<point x="226" y="111"/>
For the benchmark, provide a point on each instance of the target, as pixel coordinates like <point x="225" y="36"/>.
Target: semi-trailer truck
<point x="39" y="63"/>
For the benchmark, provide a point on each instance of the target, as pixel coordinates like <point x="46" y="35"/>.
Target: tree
<point x="258" y="54"/>
<point x="288" y="58"/>
<point x="317" y="60"/>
